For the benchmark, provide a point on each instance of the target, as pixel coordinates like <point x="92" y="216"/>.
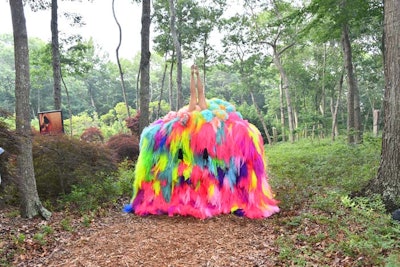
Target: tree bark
<point x="178" y="52"/>
<point x="322" y="102"/>
<point x="162" y="86"/>
<point x="260" y="117"/>
<point x="138" y="90"/>
<point x="145" y="66"/>
<point x="387" y="182"/>
<point x="282" y="111"/>
<point x="69" y="106"/>
<point x="375" y="129"/>
<point x="121" y="73"/>
<point x="357" y="113"/>
<point x="171" y="83"/>
<point x="354" y="128"/>
<point x="56" y="61"/>
<point x="336" y="108"/>
<point x="285" y="88"/>
<point x="30" y="202"/>
<point x="91" y="96"/>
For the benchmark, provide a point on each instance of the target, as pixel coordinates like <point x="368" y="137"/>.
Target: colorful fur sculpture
<point x="202" y="163"/>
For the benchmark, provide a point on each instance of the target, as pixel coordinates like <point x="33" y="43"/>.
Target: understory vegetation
<point x="79" y="174"/>
<point x="313" y="181"/>
<point x="319" y="222"/>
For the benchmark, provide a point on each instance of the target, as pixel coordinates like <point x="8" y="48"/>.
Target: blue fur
<point x="231" y="177"/>
<point x="128" y="208"/>
<point x="207" y="114"/>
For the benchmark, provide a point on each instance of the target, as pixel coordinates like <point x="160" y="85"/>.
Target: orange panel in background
<point x="51" y="122"/>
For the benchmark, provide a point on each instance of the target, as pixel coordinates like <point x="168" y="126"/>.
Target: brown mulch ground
<point x="120" y="239"/>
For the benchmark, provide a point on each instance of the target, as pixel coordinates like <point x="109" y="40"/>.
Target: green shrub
<point x="89" y="196"/>
<point x="62" y="163"/>
<point x="126" y="175"/>
<point x="8" y="192"/>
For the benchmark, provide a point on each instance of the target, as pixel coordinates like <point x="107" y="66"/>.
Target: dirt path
<point x="121" y="239"/>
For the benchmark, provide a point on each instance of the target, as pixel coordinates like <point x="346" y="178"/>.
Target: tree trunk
<point x="354" y="130"/>
<point x="260" y="117"/>
<point x="322" y="102"/>
<point x="69" y="106"/>
<point x="162" y="86"/>
<point x="357" y="113"/>
<point x="375" y="129"/>
<point x="91" y="96"/>
<point x="171" y="83"/>
<point x="178" y="51"/>
<point x="282" y="110"/>
<point x="295" y="119"/>
<point x="335" y="109"/>
<point x="56" y="61"/>
<point x="275" y="135"/>
<point x="285" y="88"/>
<point x="145" y="66"/>
<point x="121" y="73"/>
<point x="387" y="182"/>
<point x="138" y="90"/>
<point x="30" y="202"/>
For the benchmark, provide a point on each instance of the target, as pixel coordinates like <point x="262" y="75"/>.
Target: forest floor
<point x="318" y="225"/>
<point x="114" y="238"/>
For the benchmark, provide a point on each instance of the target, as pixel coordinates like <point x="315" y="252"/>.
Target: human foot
<point x="195" y="69"/>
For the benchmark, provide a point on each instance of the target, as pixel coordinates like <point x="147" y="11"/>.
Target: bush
<point x="92" y="135"/>
<point x="126" y="176"/>
<point x="132" y="123"/>
<point x="62" y="162"/>
<point x="124" y="146"/>
<point x="7" y="163"/>
<point x="90" y="196"/>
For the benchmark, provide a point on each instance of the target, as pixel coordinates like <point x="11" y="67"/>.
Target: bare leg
<point x="200" y="91"/>
<point x="193" y="98"/>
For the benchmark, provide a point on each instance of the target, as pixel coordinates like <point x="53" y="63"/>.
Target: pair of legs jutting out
<point x="197" y="99"/>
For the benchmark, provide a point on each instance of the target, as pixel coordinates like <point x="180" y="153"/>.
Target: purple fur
<point x="138" y="200"/>
<point x="239" y="212"/>
<point x="221" y="175"/>
<point x="242" y="172"/>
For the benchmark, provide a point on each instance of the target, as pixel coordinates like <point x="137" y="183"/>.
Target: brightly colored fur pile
<point x="202" y="163"/>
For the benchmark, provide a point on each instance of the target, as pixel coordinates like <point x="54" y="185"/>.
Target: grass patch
<point x="321" y="224"/>
<point x="304" y="169"/>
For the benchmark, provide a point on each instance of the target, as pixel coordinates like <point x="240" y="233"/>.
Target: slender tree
<point x="145" y="66"/>
<point x="193" y="22"/>
<point x="121" y="73"/>
<point x="171" y="82"/>
<point x="387" y="182"/>
<point x="348" y="61"/>
<point x="354" y="127"/>
<point x="344" y="20"/>
<point x="30" y="202"/>
<point x="282" y="110"/>
<point x="269" y="29"/>
<point x="178" y="52"/>
<point x="55" y="50"/>
<point x="162" y="86"/>
<point x="335" y="109"/>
